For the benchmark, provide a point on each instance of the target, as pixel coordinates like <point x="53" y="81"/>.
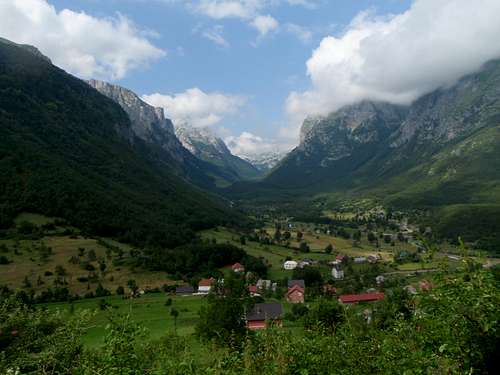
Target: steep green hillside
<point x="68" y="151"/>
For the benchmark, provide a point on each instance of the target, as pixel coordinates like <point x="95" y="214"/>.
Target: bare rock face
<point x="148" y="122"/>
<point x="339" y="134"/>
<point x="205" y="145"/>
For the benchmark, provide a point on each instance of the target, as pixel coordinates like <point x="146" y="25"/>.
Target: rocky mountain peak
<point x="148" y="122"/>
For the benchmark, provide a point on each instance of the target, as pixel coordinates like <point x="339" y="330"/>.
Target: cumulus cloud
<point x="400" y="57"/>
<point x="248" y="145"/>
<point x="106" y="48"/>
<point x="265" y="24"/>
<point x="195" y="107"/>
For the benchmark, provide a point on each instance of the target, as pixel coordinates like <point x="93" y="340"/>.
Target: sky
<point x="252" y="70"/>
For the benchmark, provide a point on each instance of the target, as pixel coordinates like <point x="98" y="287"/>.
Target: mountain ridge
<point x="68" y="151"/>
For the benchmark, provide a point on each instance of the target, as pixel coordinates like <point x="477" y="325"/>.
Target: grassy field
<point x="149" y="311"/>
<point x="276" y="255"/>
<point x="27" y="261"/>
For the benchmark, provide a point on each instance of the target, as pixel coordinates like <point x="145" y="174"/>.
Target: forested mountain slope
<point x="68" y="151"/>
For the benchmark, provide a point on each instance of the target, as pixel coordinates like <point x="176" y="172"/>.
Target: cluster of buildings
<point x="264" y="315"/>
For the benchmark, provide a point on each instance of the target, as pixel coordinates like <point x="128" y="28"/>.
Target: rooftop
<point x="265" y="311"/>
<point x="363" y="297"/>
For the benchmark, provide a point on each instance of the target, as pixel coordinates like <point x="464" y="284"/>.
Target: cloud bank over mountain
<point x="398" y="58"/>
<point x="90" y="47"/>
<point x="195" y="107"/>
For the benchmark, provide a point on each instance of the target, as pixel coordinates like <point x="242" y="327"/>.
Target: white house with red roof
<point x="205" y="285"/>
<point x="238" y="268"/>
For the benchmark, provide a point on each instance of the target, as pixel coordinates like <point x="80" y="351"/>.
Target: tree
<point x="277" y="234"/>
<point x="132" y="284"/>
<point x="325" y="316"/>
<point x="356" y="236"/>
<point x="329" y="248"/>
<point x="174" y="314"/>
<point x="60" y="271"/>
<point x="371" y="237"/>
<point x="222" y="319"/>
<point x="304" y="247"/>
<point x="300" y="235"/>
<point x="311" y="276"/>
<point x="120" y="290"/>
<point x="91" y="255"/>
<point x="243" y="240"/>
<point x="102" y="266"/>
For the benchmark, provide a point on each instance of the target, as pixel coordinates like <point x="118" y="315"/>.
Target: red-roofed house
<point x="340" y="258"/>
<point x="253" y="290"/>
<point x="237" y="267"/>
<point x="205" y="285"/>
<point x="295" y="294"/>
<point x="363" y="297"/>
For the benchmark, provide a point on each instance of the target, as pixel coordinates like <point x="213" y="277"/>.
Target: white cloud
<point x="195" y="107"/>
<point x="400" y="57"/>
<point x="311" y="4"/>
<point x="302" y="33"/>
<point x="248" y="145"/>
<point x="106" y="48"/>
<point x="265" y="24"/>
<point x="219" y="9"/>
<point x="215" y="34"/>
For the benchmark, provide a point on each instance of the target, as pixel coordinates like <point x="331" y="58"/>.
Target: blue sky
<point x="252" y="70"/>
<point x="262" y="69"/>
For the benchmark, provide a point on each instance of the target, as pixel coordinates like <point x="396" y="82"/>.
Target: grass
<point x="36" y="219"/>
<point x="28" y="262"/>
<point x="149" y="311"/>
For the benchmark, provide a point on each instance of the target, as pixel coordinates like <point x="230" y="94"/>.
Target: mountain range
<point x="197" y="154"/>
<point x="68" y="151"/>
<point x="440" y="152"/>
<point x="205" y="145"/>
<point x="97" y="155"/>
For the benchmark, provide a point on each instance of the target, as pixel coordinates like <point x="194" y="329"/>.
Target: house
<point x="184" y="290"/>
<point x="380" y="279"/>
<point x="290" y="265"/>
<point x="253" y="290"/>
<point x="372" y="259"/>
<point x="205" y="285"/>
<point x="292" y="283"/>
<point x="360" y="260"/>
<point x="303" y="263"/>
<point x="363" y="297"/>
<point x="295" y="294"/>
<point x="337" y="272"/>
<point x="265" y="285"/>
<point x="238" y="268"/>
<point x="262" y="315"/>
<point x="410" y="289"/>
<point x="341" y="258"/>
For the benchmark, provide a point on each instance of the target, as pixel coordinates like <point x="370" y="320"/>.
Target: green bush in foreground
<point x="452" y="329"/>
